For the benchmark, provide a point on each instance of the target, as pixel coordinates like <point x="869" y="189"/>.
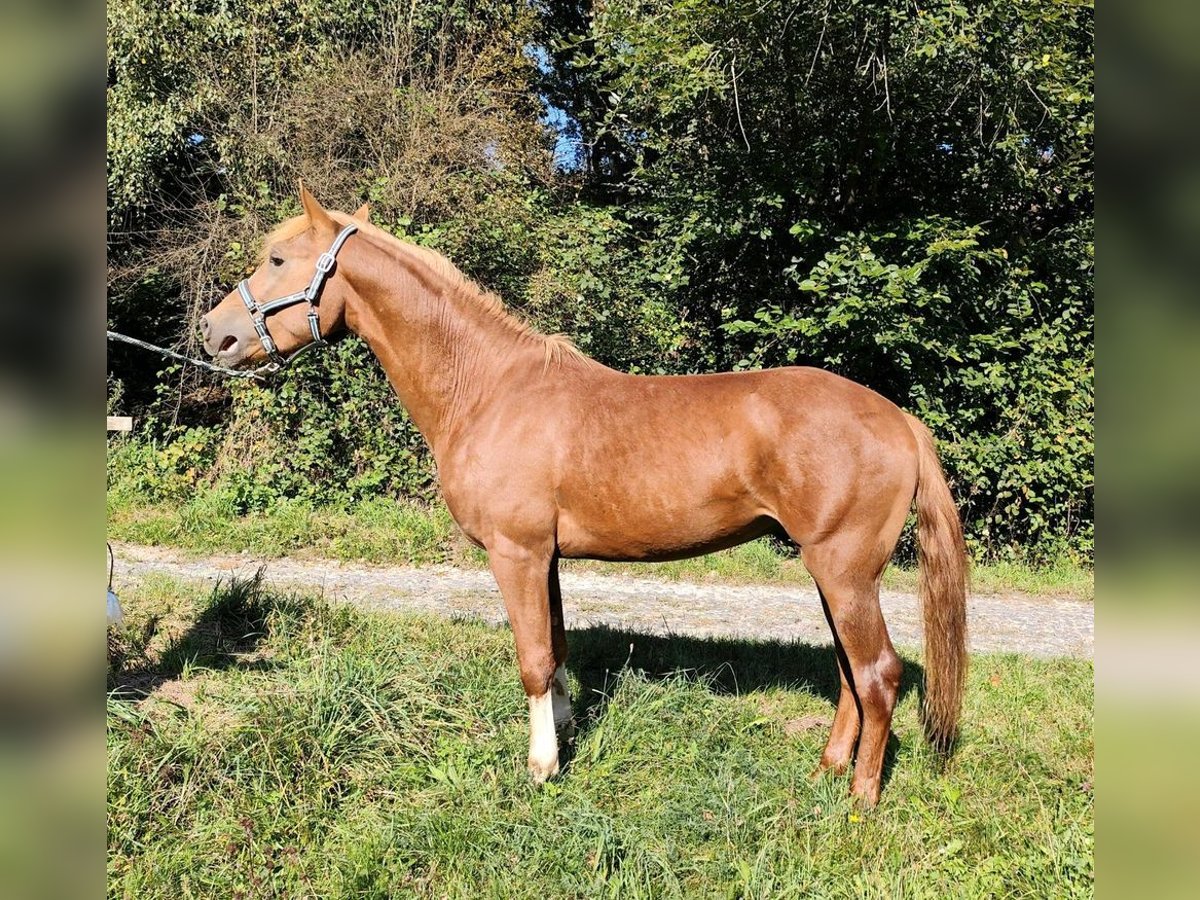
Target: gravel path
<point x="1035" y="626"/>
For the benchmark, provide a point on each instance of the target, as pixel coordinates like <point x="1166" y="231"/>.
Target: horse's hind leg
<point x="848" y="577"/>
<point x="839" y="750"/>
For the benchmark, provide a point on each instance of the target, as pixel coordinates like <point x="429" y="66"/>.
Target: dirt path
<point x="1039" y="627"/>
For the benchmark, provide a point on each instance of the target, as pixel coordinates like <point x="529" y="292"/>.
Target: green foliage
<point x="902" y="195"/>
<point x="313" y="443"/>
<point x="161" y="471"/>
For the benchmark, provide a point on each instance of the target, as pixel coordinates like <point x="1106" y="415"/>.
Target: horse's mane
<point x="558" y="347"/>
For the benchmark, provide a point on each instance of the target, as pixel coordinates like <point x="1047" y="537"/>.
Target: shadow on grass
<point x="726" y="666"/>
<point x="227" y="632"/>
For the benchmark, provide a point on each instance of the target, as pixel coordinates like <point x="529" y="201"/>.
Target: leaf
<point x="951" y="848"/>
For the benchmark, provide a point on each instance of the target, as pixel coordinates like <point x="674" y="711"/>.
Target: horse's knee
<point x="537" y="672"/>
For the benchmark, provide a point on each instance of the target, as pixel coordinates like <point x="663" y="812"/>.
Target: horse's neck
<point x="443" y="354"/>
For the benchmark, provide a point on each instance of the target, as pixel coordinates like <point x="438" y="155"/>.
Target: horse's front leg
<point x="523" y="575"/>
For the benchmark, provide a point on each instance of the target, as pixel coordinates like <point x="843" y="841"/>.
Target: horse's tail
<point x="943" y="592"/>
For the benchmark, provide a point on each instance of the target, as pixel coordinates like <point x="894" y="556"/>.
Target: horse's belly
<point x="612" y="534"/>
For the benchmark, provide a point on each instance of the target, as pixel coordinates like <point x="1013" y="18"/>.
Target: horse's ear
<point x="317" y="217"/>
<point x="363" y="213"/>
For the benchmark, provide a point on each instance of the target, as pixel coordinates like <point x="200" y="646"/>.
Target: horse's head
<point x="293" y="299"/>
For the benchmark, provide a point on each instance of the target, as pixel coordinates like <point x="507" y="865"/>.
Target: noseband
<point x="260" y="311"/>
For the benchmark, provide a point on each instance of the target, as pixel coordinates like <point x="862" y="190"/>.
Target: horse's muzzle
<point x="227" y="337"/>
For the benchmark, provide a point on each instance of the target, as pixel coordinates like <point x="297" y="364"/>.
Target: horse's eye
<point x="275" y="260"/>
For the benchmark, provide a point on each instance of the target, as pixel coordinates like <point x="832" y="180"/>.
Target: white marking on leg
<point x="561" y="693"/>
<point x="543" y="741"/>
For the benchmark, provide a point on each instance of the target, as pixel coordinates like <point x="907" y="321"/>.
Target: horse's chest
<point x="489" y="497"/>
<point x="466" y="514"/>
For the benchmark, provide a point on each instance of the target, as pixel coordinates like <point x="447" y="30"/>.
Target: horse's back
<point x="769" y="410"/>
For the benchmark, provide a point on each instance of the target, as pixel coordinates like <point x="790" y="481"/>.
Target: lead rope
<point x="258" y="374"/>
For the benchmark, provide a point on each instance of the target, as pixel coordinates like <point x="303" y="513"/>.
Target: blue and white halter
<point x="259" y="311"/>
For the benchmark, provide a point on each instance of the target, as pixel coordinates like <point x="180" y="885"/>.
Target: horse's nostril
<point x="205" y="327"/>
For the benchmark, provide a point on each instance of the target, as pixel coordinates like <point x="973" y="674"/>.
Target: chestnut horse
<point x="543" y="454"/>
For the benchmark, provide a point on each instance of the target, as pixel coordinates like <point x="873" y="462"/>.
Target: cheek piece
<point x="259" y="311"/>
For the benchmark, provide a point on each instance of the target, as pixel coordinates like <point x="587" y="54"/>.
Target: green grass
<point x="386" y="531"/>
<point x="375" y="531"/>
<point x="265" y="745"/>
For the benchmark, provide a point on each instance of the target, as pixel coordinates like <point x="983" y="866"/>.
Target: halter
<point x="259" y="311"/>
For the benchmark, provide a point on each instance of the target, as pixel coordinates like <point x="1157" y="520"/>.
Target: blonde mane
<point x="559" y="348"/>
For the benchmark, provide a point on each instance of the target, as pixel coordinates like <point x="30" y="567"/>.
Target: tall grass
<point x="268" y="745"/>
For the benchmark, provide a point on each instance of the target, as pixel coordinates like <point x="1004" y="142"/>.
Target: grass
<point x="385" y="531"/>
<point x="375" y="531"/>
<point x="267" y="745"/>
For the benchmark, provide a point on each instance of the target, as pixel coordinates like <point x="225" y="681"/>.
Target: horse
<point x="545" y="454"/>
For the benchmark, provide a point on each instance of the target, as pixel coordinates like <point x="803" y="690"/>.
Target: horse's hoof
<point x="833" y="767"/>
<point x="541" y="772"/>
<point x="866" y="793"/>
